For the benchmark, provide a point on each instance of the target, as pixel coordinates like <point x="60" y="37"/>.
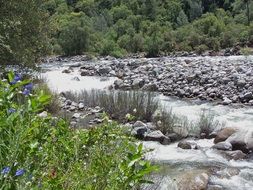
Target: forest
<point x="121" y="27"/>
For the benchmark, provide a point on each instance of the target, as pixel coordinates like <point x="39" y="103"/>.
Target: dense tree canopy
<point x="118" y="27"/>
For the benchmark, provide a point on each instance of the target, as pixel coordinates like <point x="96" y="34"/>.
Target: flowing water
<point x="176" y="162"/>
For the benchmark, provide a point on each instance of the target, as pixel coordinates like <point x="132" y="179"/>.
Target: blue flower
<point x="29" y="86"/>
<point x="11" y="110"/>
<point x="6" y="170"/>
<point x="19" y="172"/>
<point x="17" y="78"/>
<point x="26" y="92"/>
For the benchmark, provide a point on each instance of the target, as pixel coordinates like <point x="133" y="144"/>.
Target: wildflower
<point x="11" y="110"/>
<point x="26" y="92"/>
<point x="17" y="78"/>
<point x="19" y="172"/>
<point x="6" y="170"/>
<point x="29" y="86"/>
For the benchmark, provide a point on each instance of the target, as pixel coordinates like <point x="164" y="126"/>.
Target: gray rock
<point x="81" y="106"/>
<point x="187" y="145"/>
<point x="157" y="136"/>
<point x="222" y="146"/>
<point x="241" y="83"/>
<point x="226" y="101"/>
<point x="76" y="116"/>
<point x="118" y="83"/>
<point x="44" y="114"/>
<point x="75" y="79"/>
<point x="75" y="65"/>
<point x="104" y="70"/>
<point x="150" y="87"/>
<point x="234" y="155"/>
<point x="139" y="124"/>
<point x="139" y="132"/>
<point x="67" y="71"/>
<point x="137" y="83"/>
<point x="223" y="134"/>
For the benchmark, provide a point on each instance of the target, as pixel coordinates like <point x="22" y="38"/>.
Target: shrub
<point x="206" y="123"/>
<point x="43" y="153"/>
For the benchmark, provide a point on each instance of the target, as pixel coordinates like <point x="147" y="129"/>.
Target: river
<point x="176" y="162"/>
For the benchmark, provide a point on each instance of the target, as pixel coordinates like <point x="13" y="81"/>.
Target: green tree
<point x="23" y="31"/>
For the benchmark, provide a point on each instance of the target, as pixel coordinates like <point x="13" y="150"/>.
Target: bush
<point x="41" y="152"/>
<point x="206" y="123"/>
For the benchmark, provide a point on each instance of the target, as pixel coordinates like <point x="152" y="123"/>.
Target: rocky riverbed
<point x="222" y="162"/>
<point x="225" y="80"/>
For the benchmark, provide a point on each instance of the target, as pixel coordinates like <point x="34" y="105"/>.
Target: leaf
<point x="11" y="76"/>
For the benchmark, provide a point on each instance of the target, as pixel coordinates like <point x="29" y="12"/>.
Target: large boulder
<point x="237" y="140"/>
<point x="234" y="155"/>
<point x="222" y="146"/>
<point x="193" y="181"/>
<point x="242" y="140"/>
<point x="224" y="134"/>
<point x="157" y="136"/>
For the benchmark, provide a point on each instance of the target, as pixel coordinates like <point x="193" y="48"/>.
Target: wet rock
<point x="247" y="96"/>
<point x="173" y="137"/>
<point x="214" y="187"/>
<point x="81" y="106"/>
<point x="234" y="155"/>
<point x="157" y="136"/>
<point x="75" y="65"/>
<point x="223" y="146"/>
<point x="68" y="102"/>
<point x="139" y="132"/>
<point x="237" y="141"/>
<point x="67" y="71"/>
<point x="76" y="79"/>
<point x="76" y="116"/>
<point x="212" y="135"/>
<point x="118" y="83"/>
<point x="104" y="70"/>
<point x="224" y="134"/>
<point x="242" y="140"/>
<point x="137" y="83"/>
<point x="180" y="131"/>
<point x="241" y="83"/>
<point x="226" y="101"/>
<point x="44" y="114"/>
<point x="72" y="108"/>
<point x="187" y="145"/>
<point x="193" y="181"/>
<point x="85" y="73"/>
<point x="150" y="87"/>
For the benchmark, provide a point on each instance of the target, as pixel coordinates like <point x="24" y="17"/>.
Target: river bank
<point x="224" y="80"/>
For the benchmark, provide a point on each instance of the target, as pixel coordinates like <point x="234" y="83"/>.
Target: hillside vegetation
<point x="119" y="27"/>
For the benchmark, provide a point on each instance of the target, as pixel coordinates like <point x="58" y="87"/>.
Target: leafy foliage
<point x="42" y="152"/>
<point x="23" y="31"/>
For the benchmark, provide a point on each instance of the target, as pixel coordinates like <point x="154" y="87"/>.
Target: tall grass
<point x="118" y="104"/>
